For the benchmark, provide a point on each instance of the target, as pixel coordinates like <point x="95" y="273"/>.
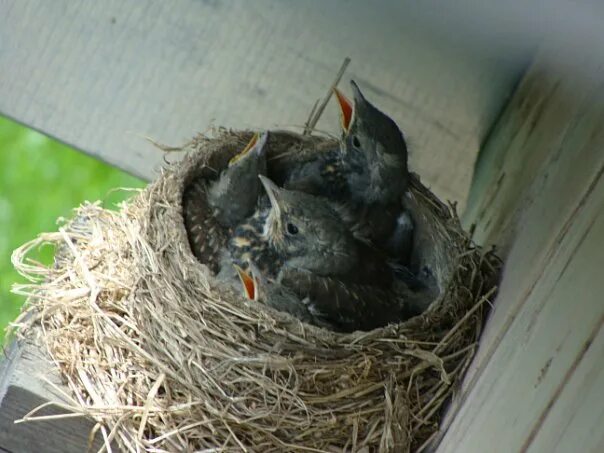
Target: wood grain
<point x="550" y="144"/>
<point x="27" y="380"/>
<point x="537" y="357"/>
<point x="546" y="208"/>
<point x="101" y="76"/>
<point x="574" y="422"/>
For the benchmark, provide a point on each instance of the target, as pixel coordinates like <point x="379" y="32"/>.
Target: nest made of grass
<point x="165" y="360"/>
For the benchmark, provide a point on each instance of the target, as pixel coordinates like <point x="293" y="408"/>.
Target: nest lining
<point x="165" y="360"/>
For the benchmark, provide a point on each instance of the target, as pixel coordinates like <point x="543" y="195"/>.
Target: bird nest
<point x="165" y="359"/>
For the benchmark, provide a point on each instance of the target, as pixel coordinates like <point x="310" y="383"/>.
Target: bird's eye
<point x="291" y="228"/>
<point x="355" y="141"/>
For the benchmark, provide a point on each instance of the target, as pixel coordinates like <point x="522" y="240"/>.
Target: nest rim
<point x="422" y="357"/>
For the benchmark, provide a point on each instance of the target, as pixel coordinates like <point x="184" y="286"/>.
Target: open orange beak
<point x="345" y="109"/>
<point x="246" y="150"/>
<point x="248" y="282"/>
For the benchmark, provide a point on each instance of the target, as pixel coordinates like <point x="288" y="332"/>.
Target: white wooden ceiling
<point x="101" y="76"/>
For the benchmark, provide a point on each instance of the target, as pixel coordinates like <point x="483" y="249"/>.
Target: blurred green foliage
<point x="41" y="180"/>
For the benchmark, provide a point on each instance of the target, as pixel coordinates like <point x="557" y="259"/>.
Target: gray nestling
<point x="368" y="172"/>
<point x="308" y="233"/>
<point x="351" y="282"/>
<point x="375" y="151"/>
<point x="233" y="196"/>
<point x="257" y="287"/>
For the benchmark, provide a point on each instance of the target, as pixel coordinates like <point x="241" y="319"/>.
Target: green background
<point x="41" y="180"/>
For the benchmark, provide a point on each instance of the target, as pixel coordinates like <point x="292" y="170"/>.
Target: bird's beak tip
<point x="271" y="190"/>
<point x="253" y="143"/>
<point x="266" y="182"/>
<point x="269" y="186"/>
<point x="261" y="140"/>
<point x="356" y="92"/>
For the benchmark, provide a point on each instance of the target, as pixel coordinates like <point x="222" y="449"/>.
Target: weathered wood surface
<point x="27" y="380"/>
<point x="575" y="421"/>
<point x="103" y="75"/>
<point x="541" y="355"/>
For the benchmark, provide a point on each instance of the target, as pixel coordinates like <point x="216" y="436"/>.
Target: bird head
<point x="306" y="231"/>
<point x="373" y="146"/>
<point x="233" y="195"/>
<point x="255" y="147"/>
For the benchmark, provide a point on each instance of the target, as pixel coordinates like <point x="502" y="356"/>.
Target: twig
<point x="316" y="112"/>
<point x="307" y="127"/>
<point x="164" y="148"/>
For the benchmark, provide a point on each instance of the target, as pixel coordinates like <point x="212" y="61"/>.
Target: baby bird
<point x="347" y="280"/>
<point x="368" y="172"/>
<point x="350" y="306"/>
<point x="230" y="199"/>
<point x="400" y="242"/>
<point x="257" y="287"/>
<point x="375" y="163"/>
<point x="323" y="176"/>
<point x="207" y="238"/>
<point x="370" y="165"/>
<point x="374" y="151"/>
<point x="248" y="243"/>
<point x="234" y="195"/>
<point x="307" y="233"/>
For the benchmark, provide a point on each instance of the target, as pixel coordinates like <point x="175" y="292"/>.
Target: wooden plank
<point x="546" y="208"/>
<point x="552" y="112"/>
<point x="575" y="421"/>
<point x="23" y="365"/>
<point x="553" y="161"/>
<point x="532" y="362"/>
<point x="27" y="380"/>
<point x="103" y="76"/>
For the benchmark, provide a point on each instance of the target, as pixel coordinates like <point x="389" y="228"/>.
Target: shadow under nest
<point x="221" y="371"/>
